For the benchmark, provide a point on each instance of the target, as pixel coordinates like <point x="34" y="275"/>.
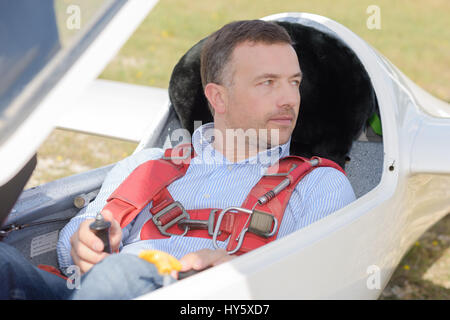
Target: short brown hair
<point x="219" y="46"/>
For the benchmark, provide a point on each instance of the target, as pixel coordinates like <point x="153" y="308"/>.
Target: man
<point x="251" y="78"/>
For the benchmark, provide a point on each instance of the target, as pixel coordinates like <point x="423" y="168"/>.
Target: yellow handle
<point x="164" y="262"/>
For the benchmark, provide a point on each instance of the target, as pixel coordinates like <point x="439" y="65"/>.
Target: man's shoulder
<point x="146" y="155"/>
<point x="133" y="161"/>
<point x="327" y="180"/>
<point x="326" y="173"/>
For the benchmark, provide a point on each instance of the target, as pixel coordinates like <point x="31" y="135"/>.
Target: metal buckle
<point x="240" y="238"/>
<point x="200" y="224"/>
<point x="163" y="228"/>
<point x="218" y="223"/>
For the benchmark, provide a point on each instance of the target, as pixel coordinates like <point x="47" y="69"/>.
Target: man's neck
<point x="236" y="148"/>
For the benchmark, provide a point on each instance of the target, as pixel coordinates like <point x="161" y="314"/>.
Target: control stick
<point x="101" y="229"/>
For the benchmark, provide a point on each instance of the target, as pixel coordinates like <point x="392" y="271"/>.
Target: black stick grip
<point x="185" y="274"/>
<point x="100" y="227"/>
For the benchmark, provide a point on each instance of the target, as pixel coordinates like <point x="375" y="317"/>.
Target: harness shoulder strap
<point x="293" y="168"/>
<point x="137" y="190"/>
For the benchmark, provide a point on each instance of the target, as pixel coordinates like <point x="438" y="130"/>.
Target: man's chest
<point x="215" y="186"/>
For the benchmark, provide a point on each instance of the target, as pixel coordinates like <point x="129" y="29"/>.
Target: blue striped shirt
<point x="212" y="181"/>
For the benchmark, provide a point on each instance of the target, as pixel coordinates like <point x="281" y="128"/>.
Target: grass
<point x="424" y="272"/>
<point x="414" y="35"/>
<point x="65" y="153"/>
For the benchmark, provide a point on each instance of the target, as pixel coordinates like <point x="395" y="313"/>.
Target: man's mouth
<point x="282" y="120"/>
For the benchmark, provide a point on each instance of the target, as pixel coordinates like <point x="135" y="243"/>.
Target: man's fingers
<point x="202" y="259"/>
<point x="87" y="248"/>
<point x="83" y="265"/>
<point x="89" y="238"/>
<point x="115" y="235"/>
<point x="223" y="259"/>
<point x="87" y="254"/>
<point x="86" y="236"/>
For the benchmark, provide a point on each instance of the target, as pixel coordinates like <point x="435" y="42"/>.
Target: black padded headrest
<point x="337" y="96"/>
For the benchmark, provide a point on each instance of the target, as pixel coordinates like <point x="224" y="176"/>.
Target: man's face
<point x="264" y="93"/>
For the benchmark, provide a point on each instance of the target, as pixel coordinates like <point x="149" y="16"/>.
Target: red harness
<point x="149" y="181"/>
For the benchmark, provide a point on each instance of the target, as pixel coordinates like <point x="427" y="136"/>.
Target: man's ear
<point x="217" y="97"/>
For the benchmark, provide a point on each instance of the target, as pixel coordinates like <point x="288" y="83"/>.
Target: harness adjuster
<point x="263" y="224"/>
<point x="162" y="228"/>
<point x="200" y="224"/>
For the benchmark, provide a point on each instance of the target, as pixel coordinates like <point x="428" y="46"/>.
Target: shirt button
<point x="206" y="195"/>
<point x="229" y="168"/>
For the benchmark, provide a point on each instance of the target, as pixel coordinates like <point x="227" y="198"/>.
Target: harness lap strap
<point x="163" y="199"/>
<point x="149" y="182"/>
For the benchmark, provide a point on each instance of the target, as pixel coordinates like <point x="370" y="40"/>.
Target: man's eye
<point x="296" y="82"/>
<point x="267" y="82"/>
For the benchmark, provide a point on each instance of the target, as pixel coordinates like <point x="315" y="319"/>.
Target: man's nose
<point x="289" y="96"/>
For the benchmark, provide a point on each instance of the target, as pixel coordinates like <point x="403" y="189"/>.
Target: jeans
<point x="20" y="280"/>
<point x="119" y="276"/>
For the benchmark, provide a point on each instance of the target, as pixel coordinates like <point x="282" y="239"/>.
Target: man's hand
<point x="87" y="248"/>
<point x="204" y="258"/>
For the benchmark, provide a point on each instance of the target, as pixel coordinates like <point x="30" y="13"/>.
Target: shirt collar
<point x="202" y="142"/>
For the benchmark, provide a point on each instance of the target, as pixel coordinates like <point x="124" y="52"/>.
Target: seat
<point x="337" y="96"/>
